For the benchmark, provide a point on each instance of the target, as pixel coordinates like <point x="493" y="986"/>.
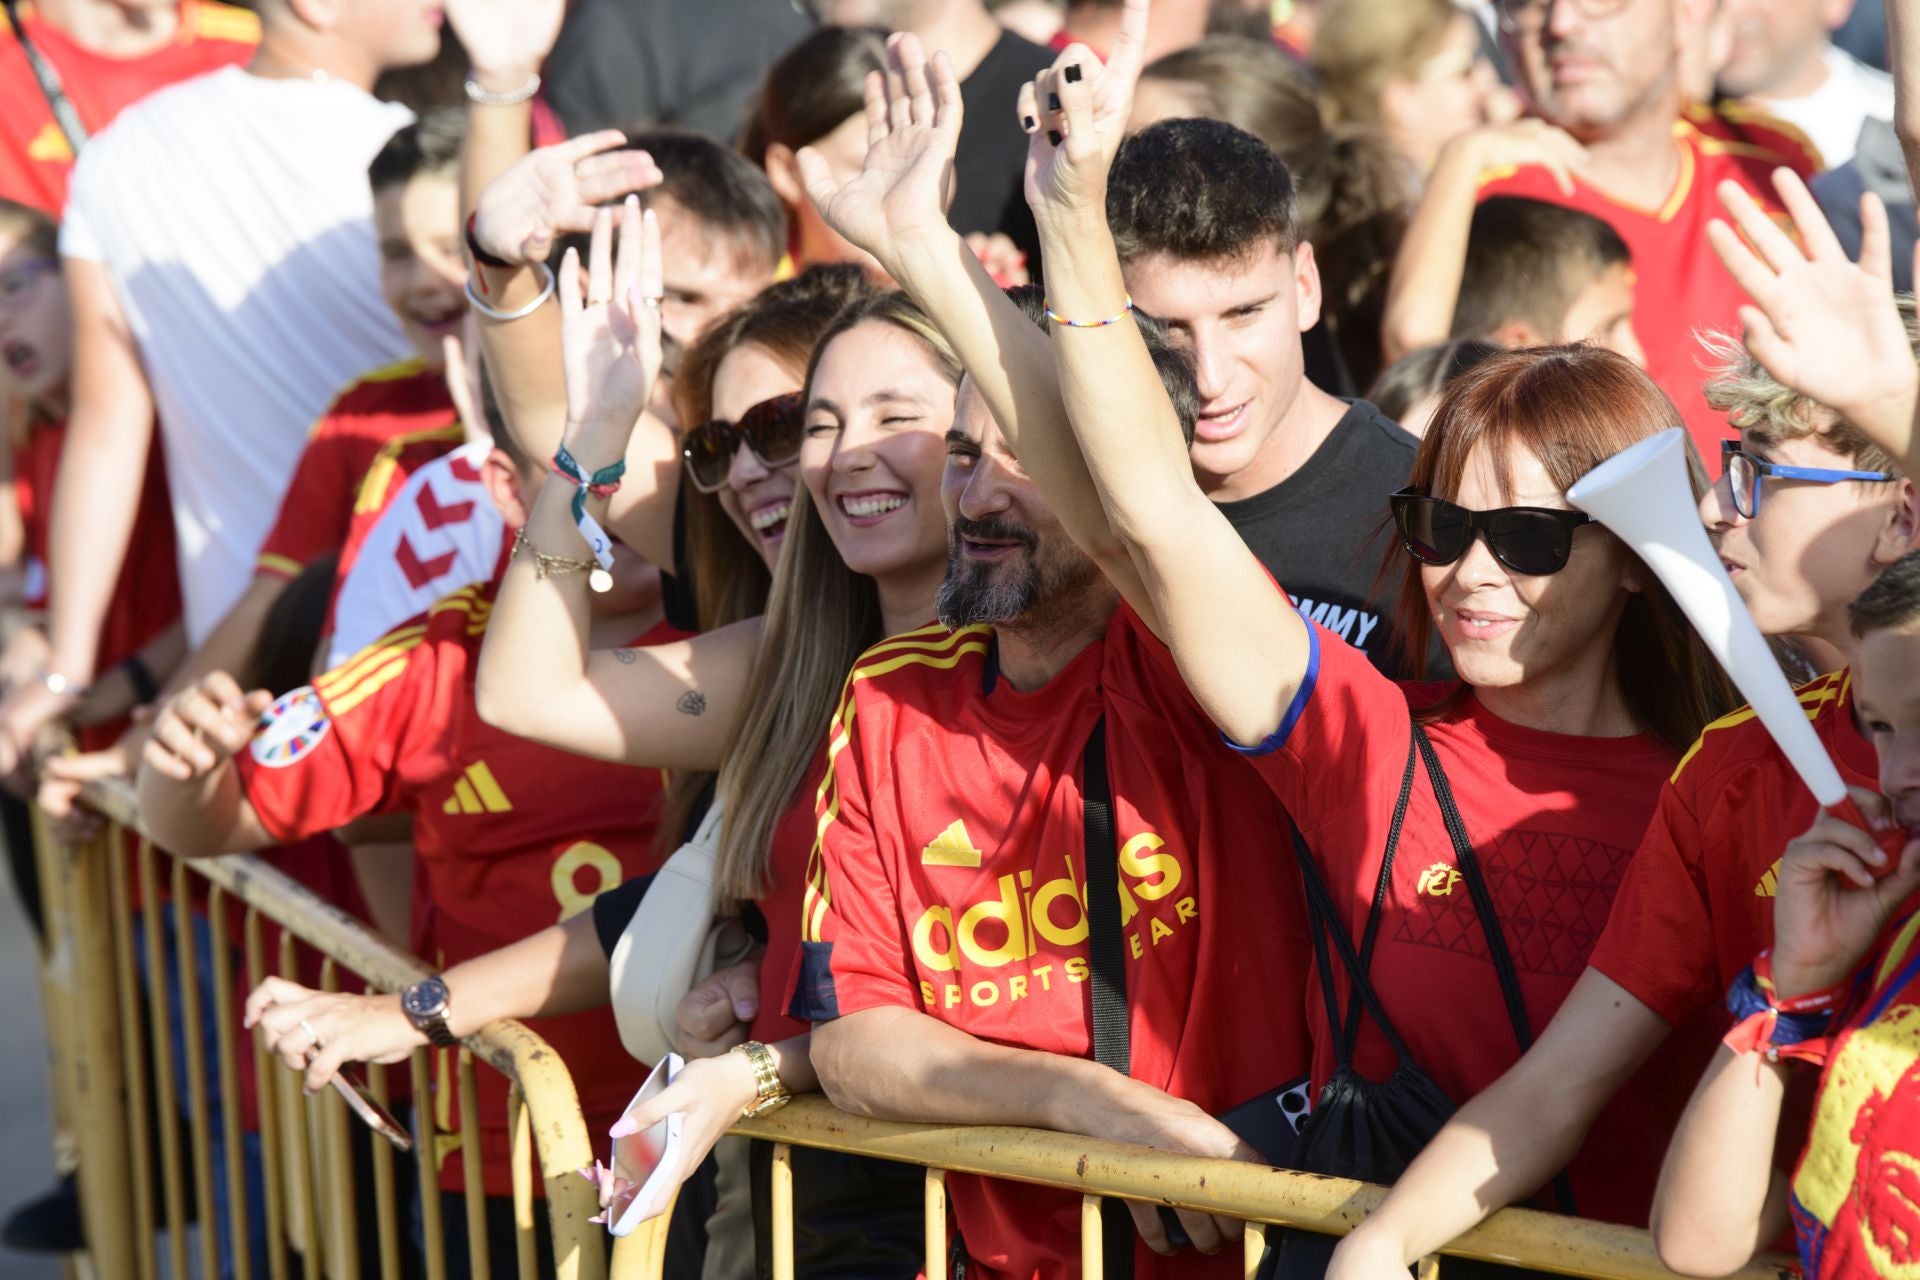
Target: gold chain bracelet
<point x="546" y="566"/>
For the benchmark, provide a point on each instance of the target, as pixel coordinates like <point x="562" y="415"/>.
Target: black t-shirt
<point x="1323" y="533"/>
<point x="990" y="164"/>
<point x="641" y="62"/>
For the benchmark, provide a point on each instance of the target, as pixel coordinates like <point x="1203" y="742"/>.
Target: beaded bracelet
<point x="511" y="98"/>
<point x="1059" y="319"/>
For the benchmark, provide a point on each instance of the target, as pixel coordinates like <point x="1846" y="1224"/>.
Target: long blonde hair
<point x="820" y="617"/>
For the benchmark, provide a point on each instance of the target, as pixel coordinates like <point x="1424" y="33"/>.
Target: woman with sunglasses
<point x="1439" y="825"/>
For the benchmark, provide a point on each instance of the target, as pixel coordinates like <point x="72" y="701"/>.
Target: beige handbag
<point x="674" y="942"/>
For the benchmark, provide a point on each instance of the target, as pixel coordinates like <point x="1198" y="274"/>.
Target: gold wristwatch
<point x="773" y="1094"/>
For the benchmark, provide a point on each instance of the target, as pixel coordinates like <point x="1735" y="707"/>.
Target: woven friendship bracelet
<point x="601" y="484"/>
<point x="1059" y="319"/>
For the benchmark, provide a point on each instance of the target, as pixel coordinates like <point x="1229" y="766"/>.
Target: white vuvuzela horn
<point x="1642" y="494"/>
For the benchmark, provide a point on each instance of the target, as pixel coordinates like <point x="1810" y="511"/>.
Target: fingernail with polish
<point x="1029" y="123"/>
<point x="1053" y="102"/>
<point x="623" y="1127"/>
<point x="1053" y="136"/>
<point x="1073" y="74"/>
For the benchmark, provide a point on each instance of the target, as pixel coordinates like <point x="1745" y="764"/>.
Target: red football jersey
<point x="378" y="432"/>
<point x="509" y="836"/>
<point x="1683" y="287"/>
<point x="146" y="598"/>
<point x="951" y="880"/>
<point x="789" y="852"/>
<point x="1696" y="905"/>
<point x="35" y="159"/>
<point x="1553" y="821"/>
<point x="1856" y="1191"/>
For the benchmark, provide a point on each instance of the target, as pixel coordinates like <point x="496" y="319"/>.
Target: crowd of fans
<point x="1049" y="521"/>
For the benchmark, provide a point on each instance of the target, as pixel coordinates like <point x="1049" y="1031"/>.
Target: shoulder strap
<point x="1107" y="958"/>
<point x="64" y="113"/>
<point x="1324" y="919"/>
<point x="1489" y="918"/>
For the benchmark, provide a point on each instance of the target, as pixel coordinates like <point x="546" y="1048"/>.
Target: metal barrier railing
<point x="107" y="1102"/>
<point x="116" y="1112"/>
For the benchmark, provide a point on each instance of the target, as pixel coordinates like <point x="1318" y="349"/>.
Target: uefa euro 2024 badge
<point x="294" y="725"/>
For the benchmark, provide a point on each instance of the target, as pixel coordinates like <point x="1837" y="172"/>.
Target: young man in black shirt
<point x="1203" y="215"/>
<point x="992" y="63"/>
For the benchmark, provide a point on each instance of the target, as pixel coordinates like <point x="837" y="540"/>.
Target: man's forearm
<point x="559" y="970"/>
<point x="95" y="497"/>
<point x="896" y="1064"/>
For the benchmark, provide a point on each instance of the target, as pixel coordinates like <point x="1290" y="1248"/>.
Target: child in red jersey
<point x="1843" y="971"/>
<point x="120" y="59"/>
<point x="501" y="824"/>
<point x="139" y="641"/>
<point x="1697" y="902"/>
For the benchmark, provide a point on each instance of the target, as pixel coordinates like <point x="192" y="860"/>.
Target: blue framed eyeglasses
<point x="1745" y="472"/>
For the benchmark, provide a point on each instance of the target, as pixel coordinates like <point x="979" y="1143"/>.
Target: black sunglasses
<point x="1529" y="540"/>
<point x="772" y="429"/>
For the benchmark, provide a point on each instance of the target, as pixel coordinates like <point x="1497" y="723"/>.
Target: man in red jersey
<point x="1606" y="71"/>
<point x="509" y="836"/>
<point x="103" y="55"/>
<point x="1697" y="902"/>
<point x="947" y="948"/>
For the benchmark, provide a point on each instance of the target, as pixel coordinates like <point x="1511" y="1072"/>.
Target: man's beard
<point x="1024" y="590"/>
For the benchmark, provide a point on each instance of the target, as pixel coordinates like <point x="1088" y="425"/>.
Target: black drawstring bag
<point x="1367" y="1129"/>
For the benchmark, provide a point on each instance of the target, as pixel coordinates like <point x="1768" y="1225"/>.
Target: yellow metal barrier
<point x="107" y="1101"/>
<point x="110" y="1098"/>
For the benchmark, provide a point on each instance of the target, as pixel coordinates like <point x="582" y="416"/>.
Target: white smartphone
<point x="646" y="1162"/>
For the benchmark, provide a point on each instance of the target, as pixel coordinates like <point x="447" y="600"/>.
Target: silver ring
<point x="313" y="1037"/>
<point x="653" y="299"/>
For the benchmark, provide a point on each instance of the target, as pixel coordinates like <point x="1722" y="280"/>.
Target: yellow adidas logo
<point x="477" y="792"/>
<point x="951" y="848"/>
<point x="1769" y="886"/>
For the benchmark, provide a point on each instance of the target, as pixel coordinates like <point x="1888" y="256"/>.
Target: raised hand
<point x="506" y="40"/>
<point x="1825" y="326"/>
<point x="203" y="726"/>
<point x="557" y="190"/>
<point x="1830" y="907"/>
<point x="1518" y="143"/>
<point x="913" y="126"/>
<point x="610" y="338"/>
<point x="1075" y="115"/>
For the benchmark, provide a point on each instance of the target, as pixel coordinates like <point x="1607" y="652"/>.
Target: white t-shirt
<point x="233" y="214"/>
<point x="1832" y="115"/>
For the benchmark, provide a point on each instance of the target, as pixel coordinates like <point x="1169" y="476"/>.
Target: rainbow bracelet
<point x="1059" y="319"/>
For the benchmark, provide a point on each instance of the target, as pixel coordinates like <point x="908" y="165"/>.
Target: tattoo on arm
<point x="625" y="657"/>
<point x="692" y="703"/>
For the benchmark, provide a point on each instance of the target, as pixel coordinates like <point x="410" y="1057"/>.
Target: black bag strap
<point x="1107" y="959"/>
<point x="65" y="114"/>
<point x="1323" y="917"/>
<point x="1489" y="919"/>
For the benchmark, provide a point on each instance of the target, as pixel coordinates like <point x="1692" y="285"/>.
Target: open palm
<point x="557" y="191"/>
<point x="610" y="337"/>
<point x="1824" y="325"/>
<point x="913" y="126"/>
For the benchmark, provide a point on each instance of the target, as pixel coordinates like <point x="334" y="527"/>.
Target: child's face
<point x="36" y="323"/>
<point x="1886" y="688"/>
<point x="422" y="272"/>
<point x="1602" y="313"/>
